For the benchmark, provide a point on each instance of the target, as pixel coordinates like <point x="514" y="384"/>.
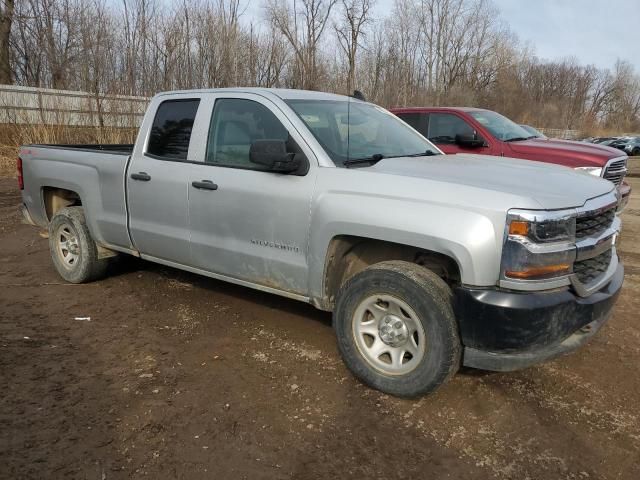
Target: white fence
<point x="575" y="134"/>
<point x="560" y="133"/>
<point x="22" y="105"/>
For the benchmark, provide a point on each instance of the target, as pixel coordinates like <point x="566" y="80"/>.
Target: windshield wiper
<point x="428" y="153"/>
<point x="373" y="159"/>
<point x="520" y="139"/>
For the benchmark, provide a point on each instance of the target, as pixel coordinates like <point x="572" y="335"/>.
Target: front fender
<point x="468" y="237"/>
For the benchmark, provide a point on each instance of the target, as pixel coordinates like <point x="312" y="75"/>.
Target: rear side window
<point x="416" y="120"/>
<point x="171" y="129"/>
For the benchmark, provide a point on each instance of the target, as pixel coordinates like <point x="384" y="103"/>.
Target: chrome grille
<point x="595" y="222"/>
<point x="590" y="269"/>
<point x="616" y="170"/>
<point x="596" y="260"/>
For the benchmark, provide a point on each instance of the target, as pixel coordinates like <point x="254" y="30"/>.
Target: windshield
<point x="532" y="130"/>
<point x="355" y="130"/>
<point x="500" y="127"/>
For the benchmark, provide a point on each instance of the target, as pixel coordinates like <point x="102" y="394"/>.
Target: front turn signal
<point x="519" y="227"/>
<point x="541" y="272"/>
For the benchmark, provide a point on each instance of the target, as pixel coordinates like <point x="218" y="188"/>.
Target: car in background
<point x="484" y="132"/>
<point x="630" y="145"/>
<point x="606" y="141"/>
<point x="534" y="131"/>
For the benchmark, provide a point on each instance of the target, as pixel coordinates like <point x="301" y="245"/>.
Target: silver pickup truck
<point x="428" y="262"/>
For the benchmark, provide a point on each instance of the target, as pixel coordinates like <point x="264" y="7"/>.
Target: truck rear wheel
<point x="73" y="250"/>
<point x="396" y="329"/>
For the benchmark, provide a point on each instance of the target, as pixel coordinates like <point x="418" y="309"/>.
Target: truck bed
<point x="119" y="149"/>
<point x="94" y="172"/>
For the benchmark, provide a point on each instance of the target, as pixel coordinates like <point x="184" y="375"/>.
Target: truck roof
<point x="283" y="93"/>
<point x="431" y="109"/>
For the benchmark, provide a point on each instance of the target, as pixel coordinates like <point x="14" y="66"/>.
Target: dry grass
<point x="634" y="167"/>
<point x="14" y="135"/>
<point x="8" y="161"/>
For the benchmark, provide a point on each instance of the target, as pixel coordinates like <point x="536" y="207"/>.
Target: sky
<point x="595" y="32"/>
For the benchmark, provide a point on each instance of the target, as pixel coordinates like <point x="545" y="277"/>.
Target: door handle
<point x="205" y="185"/>
<point x="142" y="176"/>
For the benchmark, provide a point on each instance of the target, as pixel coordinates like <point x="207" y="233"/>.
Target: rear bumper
<point x="505" y="330"/>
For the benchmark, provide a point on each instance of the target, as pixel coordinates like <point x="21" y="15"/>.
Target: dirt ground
<point x="179" y="376"/>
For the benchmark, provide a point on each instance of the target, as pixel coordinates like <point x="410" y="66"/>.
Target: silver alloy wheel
<point x="389" y="334"/>
<point x="68" y="247"/>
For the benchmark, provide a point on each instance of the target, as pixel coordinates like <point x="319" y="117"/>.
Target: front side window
<point x="443" y="127"/>
<point x="171" y="130"/>
<point x="349" y="130"/>
<point x="235" y="125"/>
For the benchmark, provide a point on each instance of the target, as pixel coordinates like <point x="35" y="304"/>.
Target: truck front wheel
<point x="73" y="250"/>
<point x="396" y="329"/>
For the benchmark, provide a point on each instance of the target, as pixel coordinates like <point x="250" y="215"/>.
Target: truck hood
<point x="565" y="152"/>
<point x="551" y="186"/>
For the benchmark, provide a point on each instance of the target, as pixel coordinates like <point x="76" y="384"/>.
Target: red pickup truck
<point x="475" y="130"/>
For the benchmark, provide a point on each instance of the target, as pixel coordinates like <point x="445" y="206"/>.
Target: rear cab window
<point x="171" y="130"/>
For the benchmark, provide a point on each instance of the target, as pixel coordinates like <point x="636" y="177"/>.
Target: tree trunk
<point x="6" y="18"/>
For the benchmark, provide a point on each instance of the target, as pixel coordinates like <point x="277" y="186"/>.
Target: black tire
<point x="635" y="152"/>
<point x="430" y="298"/>
<point x="85" y="265"/>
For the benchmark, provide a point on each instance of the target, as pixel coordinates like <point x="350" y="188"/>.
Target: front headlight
<point x="539" y="245"/>
<point x="596" y="171"/>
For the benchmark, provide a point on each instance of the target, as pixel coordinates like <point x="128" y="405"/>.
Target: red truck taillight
<point x="20" y="178"/>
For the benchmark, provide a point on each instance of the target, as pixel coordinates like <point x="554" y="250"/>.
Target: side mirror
<point x="470" y="141"/>
<point x="273" y="155"/>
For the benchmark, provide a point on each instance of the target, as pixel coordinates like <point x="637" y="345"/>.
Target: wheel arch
<point x="349" y="254"/>
<point x="55" y="198"/>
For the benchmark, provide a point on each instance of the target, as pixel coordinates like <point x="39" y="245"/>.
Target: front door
<point x="158" y="184"/>
<point x="442" y="130"/>
<point x="246" y="222"/>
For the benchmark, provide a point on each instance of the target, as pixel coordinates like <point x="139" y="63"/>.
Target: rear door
<point x="253" y="225"/>
<point x="158" y="182"/>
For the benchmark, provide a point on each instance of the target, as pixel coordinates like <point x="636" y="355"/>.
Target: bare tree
<point x="424" y="52"/>
<point x="6" y="19"/>
<point x="303" y="29"/>
<point x="353" y="17"/>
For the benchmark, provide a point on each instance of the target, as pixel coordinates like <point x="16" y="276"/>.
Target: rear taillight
<point x="20" y="178"/>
